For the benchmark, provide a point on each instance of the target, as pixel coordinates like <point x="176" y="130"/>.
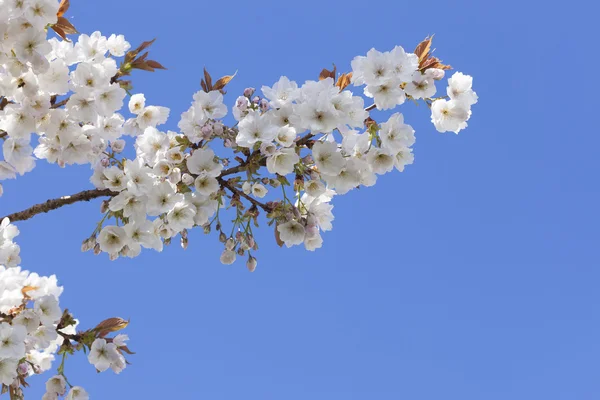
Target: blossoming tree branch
<point x="66" y="98"/>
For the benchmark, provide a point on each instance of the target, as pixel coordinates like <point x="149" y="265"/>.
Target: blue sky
<point x="472" y="275"/>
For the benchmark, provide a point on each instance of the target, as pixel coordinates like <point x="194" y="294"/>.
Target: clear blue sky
<point x="472" y="275"/>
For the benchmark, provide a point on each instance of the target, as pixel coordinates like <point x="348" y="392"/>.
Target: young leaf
<point x="220" y="84"/>
<point x="344" y="81"/>
<point x="325" y="73"/>
<point x="63" y="7"/>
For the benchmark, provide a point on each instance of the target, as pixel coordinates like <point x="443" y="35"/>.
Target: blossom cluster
<point x="292" y="148"/>
<point x="34" y="328"/>
<point x="312" y="134"/>
<point x="317" y="139"/>
<point x="35" y="72"/>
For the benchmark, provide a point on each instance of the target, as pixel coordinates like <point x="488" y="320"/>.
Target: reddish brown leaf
<point x="110" y="325"/>
<point x="126" y="350"/>
<point x="155" y="64"/>
<point x="433" y="62"/>
<point x="60" y="32"/>
<point x="63" y="7"/>
<point x="63" y="28"/>
<point x="325" y="73"/>
<point x="344" y="81"/>
<point x="67" y="26"/>
<point x="208" y="80"/>
<point x="222" y="82"/>
<point x="422" y="50"/>
<point x="132" y="54"/>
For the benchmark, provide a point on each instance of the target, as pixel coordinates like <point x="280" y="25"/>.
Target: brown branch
<point x="234" y="190"/>
<point x="304" y="140"/>
<point x="60" y="103"/>
<point x="53" y="204"/>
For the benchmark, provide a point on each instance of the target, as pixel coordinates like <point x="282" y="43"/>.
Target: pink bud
<point x="218" y="128"/>
<point x="207" y="131"/>
<point x="248" y="92"/>
<point x="251" y="264"/>
<point x="118" y="145"/>
<point x="187" y="179"/>
<point x="230" y="244"/>
<point x="23" y="369"/>
<point x="264" y="105"/>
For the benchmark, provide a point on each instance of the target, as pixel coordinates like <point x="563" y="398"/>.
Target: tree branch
<point x="53" y="204"/>
<point x="234" y="190"/>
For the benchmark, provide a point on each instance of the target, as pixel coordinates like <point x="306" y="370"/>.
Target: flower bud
<point x="206" y="229"/>
<point x="184" y="243"/>
<point x="175" y="176"/>
<point x="218" y="128"/>
<point x="113" y="256"/>
<point x="23" y="369"/>
<point x="207" y="131"/>
<point x="435" y="73"/>
<point x="256" y="100"/>
<point x="105" y="162"/>
<point x="222" y="237"/>
<point x="240" y="251"/>
<point x="250" y="240"/>
<point x="275" y="183"/>
<point x="117" y="146"/>
<point x="248" y="92"/>
<point x="88" y="244"/>
<point x="298" y="183"/>
<point x="247" y="187"/>
<point x="251" y="264"/>
<point x="104" y="206"/>
<point x="228" y="257"/>
<point x="187" y="179"/>
<point x="241" y="104"/>
<point x="97" y="249"/>
<point x="264" y="105"/>
<point x="230" y="244"/>
<point x="244" y="246"/>
<point x="61" y="163"/>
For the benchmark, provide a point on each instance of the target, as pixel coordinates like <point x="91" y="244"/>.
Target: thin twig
<point x="53" y="204"/>
<point x="234" y="190"/>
